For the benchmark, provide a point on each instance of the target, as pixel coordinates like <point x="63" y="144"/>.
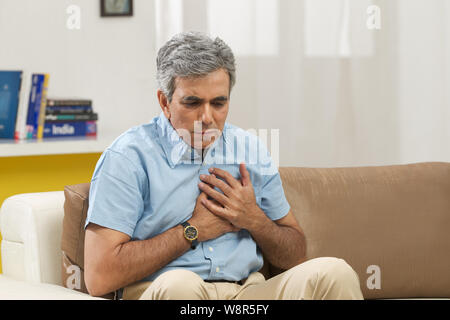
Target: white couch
<point x="31" y="228"/>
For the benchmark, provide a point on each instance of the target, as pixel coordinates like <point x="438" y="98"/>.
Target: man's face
<point x="199" y="107"/>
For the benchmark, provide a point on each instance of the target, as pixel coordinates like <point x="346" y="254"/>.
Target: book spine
<point x="70" y="129"/>
<point x="67" y="109"/>
<point x="34" y="105"/>
<point x="24" y="98"/>
<point x="71" y="117"/>
<point x="41" y="118"/>
<point x="33" y="92"/>
<point x="69" y="102"/>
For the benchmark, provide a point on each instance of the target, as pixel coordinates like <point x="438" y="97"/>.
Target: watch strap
<point x="185" y="224"/>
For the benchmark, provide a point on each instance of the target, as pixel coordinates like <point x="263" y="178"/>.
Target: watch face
<point x="190" y="232"/>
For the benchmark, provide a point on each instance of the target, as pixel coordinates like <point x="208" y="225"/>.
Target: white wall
<point x="109" y="60"/>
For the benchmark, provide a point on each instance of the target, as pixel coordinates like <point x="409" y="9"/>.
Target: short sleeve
<point x="273" y="200"/>
<point x="116" y="193"/>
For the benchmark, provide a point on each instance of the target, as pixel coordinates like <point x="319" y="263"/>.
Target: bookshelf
<point x="53" y="146"/>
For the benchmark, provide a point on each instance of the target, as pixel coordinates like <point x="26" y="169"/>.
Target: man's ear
<point x="164" y="103"/>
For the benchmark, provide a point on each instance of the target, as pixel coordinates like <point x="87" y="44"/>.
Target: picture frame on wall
<point x="116" y="8"/>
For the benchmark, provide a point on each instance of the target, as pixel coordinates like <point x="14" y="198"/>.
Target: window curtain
<point x="340" y="93"/>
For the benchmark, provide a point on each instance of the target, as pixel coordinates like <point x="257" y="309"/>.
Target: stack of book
<point x="69" y="118"/>
<point x="26" y="113"/>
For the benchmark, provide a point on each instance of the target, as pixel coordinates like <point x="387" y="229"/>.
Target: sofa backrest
<point x="390" y="223"/>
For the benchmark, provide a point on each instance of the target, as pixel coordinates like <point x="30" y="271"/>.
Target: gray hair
<point x="192" y="54"/>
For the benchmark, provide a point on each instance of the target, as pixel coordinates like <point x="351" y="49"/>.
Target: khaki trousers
<point x="315" y="279"/>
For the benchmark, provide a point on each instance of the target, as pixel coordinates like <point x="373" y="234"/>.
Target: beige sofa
<point x="390" y="223"/>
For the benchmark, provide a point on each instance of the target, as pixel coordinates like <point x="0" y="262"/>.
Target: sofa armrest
<point x="11" y="289"/>
<point x="31" y="227"/>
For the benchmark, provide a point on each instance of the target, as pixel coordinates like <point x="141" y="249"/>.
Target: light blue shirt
<point x="146" y="182"/>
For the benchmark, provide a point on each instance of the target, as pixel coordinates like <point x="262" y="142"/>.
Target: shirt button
<point x="211" y="249"/>
<point x="217" y="269"/>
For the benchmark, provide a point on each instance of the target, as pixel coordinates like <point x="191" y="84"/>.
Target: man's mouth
<point x="209" y="131"/>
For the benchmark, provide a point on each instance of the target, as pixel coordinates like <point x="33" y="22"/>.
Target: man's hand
<point x="237" y="204"/>
<point x="209" y="226"/>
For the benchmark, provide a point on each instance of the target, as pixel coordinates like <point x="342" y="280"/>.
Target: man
<point x="184" y="207"/>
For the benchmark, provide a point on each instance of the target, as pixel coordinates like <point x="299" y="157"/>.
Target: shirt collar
<point x="175" y="148"/>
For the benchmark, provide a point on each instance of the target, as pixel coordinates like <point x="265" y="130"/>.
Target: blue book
<point x="9" y="101"/>
<point x="34" y="105"/>
<point x="70" y="129"/>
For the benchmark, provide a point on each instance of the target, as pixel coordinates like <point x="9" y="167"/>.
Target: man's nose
<point x="207" y="116"/>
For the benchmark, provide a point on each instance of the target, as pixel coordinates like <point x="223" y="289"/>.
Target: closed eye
<point x="191" y="104"/>
<point x="195" y="104"/>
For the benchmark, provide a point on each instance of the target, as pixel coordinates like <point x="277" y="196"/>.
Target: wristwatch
<point x="190" y="233"/>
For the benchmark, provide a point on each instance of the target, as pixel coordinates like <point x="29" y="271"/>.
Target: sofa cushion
<point x="72" y="242"/>
<point x="390" y="223"/>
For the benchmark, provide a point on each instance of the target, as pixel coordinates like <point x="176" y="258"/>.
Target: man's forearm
<point x="283" y="246"/>
<point x="134" y="260"/>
